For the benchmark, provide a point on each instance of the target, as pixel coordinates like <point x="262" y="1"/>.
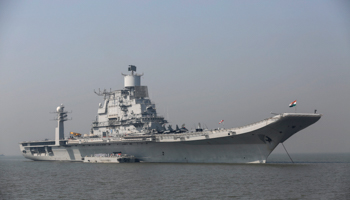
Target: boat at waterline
<point x="110" y="158"/>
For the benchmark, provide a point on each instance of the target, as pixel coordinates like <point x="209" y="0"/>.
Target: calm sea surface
<point x="312" y="176"/>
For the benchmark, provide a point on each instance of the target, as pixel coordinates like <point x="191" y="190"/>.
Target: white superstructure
<point x="127" y="122"/>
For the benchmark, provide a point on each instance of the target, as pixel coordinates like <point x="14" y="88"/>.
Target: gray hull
<point x="248" y="144"/>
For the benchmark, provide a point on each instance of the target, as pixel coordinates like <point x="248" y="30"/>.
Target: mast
<point x="61" y="117"/>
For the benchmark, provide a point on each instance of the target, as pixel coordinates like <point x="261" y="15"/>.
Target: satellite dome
<point x="60" y="108"/>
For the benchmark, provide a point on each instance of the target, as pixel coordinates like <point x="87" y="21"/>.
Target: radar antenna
<point x="104" y="93"/>
<point x="132" y="68"/>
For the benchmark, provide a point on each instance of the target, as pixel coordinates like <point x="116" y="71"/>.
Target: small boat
<point x="115" y="157"/>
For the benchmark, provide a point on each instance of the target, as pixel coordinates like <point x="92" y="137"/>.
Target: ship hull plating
<point x="171" y="153"/>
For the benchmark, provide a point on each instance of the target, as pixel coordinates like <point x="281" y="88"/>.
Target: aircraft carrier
<point x="127" y="122"/>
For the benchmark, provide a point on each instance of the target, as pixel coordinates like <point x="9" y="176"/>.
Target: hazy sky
<point x="203" y="61"/>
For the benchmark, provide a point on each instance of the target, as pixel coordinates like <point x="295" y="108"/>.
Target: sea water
<point x="311" y="176"/>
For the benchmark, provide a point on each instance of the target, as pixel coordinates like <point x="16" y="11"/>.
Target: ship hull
<point x="173" y="153"/>
<point x="248" y="144"/>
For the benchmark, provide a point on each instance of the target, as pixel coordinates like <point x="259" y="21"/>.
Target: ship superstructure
<point x="127" y="111"/>
<point x="127" y="122"/>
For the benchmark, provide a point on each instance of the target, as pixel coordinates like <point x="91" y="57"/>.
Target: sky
<point x="203" y="61"/>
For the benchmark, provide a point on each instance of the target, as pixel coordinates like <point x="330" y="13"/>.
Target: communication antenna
<point x="167" y="113"/>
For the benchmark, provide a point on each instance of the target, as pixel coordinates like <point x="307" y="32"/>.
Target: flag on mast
<point x="294" y="103"/>
<point x="221" y="121"/>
